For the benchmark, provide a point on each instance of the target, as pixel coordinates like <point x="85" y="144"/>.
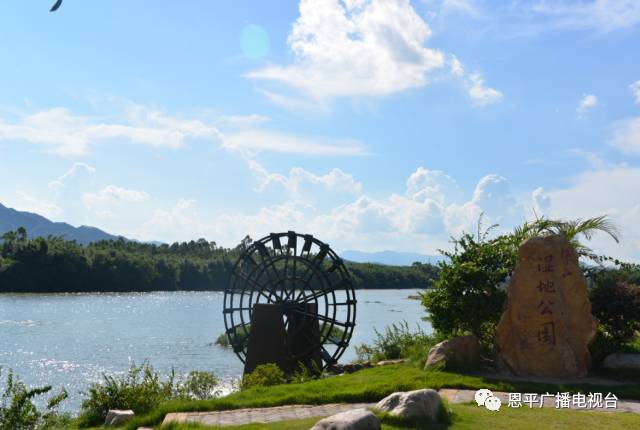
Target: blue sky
<point x="373" y="124"/>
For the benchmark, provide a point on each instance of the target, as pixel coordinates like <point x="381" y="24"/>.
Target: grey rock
<point x="117" y="417"/>
<point x="620" y="361"/>
<point x="338" y="369"/>
<point x="390" y="362"/>
<point x="412" y="404"/>
<point x="356" y="419"/>
<point x="459" y="353"/>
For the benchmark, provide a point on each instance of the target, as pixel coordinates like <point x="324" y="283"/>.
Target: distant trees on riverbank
<point x="53" y="264"/>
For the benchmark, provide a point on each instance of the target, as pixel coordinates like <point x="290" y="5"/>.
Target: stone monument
<point x="547" y="326"/>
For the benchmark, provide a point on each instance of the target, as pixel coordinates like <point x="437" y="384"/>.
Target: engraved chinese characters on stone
<point x="547" y="326"/>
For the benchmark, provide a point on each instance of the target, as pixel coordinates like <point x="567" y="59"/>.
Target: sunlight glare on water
<point x="70" y="340"/>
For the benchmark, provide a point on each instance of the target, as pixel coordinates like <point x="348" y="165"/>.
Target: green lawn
<point x="371" y="385"/>
<point x="471" y="417"/>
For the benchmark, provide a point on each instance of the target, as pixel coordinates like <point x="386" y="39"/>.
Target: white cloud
<point x="587" y="102"/>
<point x="336" y="180"/>
<point x="626" y="136"/>
<point x="460" y="6"/>
<point x="425" y="184"/>
<point x="541" y="201"/>
<point x="456" y="66"/>
<point x="183" y="222"/>
<point x="491" y="197"/>
<point x="480" y="94"/>
<point x="613" y="191"/>
<point x="29" y="203"/>
<point x="363" y="48"/>
<point x="75" y="170"/>
<point x="242" y="121"/>
<point x="112" y="194"/>
<point x="421" y="219"/>
<point x="253" y="141"/>
<point x="297" y="103"/>
<point x="356" y="47"/>
<point x="635" y="90"/>
<point x="601" y="15"/>
<point x="65" y="133"/>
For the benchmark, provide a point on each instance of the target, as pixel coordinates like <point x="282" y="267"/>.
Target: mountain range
<point x="391" y="258"/>
<point x="37" y="225"/>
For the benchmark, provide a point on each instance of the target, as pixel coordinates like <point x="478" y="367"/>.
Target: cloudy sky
<point x="373" y="124"/>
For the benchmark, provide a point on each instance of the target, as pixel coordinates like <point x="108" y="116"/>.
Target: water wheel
<point x="307" y="281"/>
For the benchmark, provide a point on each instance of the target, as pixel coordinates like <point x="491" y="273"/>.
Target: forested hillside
<point x="37" y="225"/>
<point x="56" y="265"/>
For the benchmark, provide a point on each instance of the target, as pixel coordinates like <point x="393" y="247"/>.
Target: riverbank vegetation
<point x="49" y="265"/>
<point x="18" y="411"/>
<point x="368" y="385"/>
<point x="142" y="389"/>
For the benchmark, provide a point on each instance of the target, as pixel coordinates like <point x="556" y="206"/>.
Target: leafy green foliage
<point x="467" y="297"/>
<point x="397" y="341"/>
<point x="55" y="265"/>
<point x="17" y="410"/>
<point x="141" y="390"/>
<point x="615" y="301"/>
<point x="264" y="375"/>
<point x="377" y="276"/>
<point x="572" y="229"/>
<point x="198" y="385"/>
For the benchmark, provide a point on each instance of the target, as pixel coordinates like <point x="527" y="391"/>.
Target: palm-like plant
<point x="571" y="229"/>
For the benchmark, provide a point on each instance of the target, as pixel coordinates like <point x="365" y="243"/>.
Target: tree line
<point x="53" y="264"/>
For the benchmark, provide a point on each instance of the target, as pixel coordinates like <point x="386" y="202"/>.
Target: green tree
<point x="467" y="297"/>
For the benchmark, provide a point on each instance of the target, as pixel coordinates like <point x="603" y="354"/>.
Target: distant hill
<point x="391" y="258"/>
<point x="37" y="225"/>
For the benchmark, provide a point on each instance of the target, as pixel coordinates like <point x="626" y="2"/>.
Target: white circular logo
<point x="482" y="395"/>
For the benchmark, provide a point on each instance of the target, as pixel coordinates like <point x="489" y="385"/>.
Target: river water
<point x="70" y="340"/>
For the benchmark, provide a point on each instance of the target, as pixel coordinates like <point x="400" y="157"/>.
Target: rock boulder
<point x="459" y="353"/>
<point x="357" y="419"/>
<point x="117" y="417"/>
<point x="547" y="325"/>
<point x="412" y="404"/>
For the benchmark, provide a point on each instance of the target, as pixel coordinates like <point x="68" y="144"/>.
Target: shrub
<point x="264" y="375"/>
<point x="141" y="390"/>
<point x="467" y="297"/>
<point x="397" y="341"/>
<point x="17" y="411"/>
<point x="199" y="386"/>
<point x="616" y="304"/>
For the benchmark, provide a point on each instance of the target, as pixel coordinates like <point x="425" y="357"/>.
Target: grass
<point x="471" y="417"/>
<point x="368" y="385"/>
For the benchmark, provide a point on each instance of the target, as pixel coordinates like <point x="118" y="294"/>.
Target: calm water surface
<point x="69" y="340"/>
